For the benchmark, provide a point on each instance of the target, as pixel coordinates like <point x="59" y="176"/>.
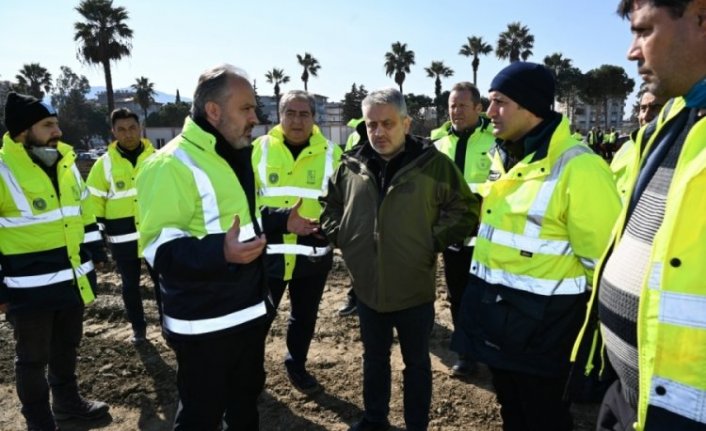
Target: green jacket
<point x="390" y="238"/>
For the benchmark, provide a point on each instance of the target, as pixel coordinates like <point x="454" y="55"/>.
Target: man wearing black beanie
<point x="545" y="221"/>
<point x="46" y="274"/>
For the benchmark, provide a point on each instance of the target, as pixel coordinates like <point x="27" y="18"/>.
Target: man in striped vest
<point x="651" y="296"/>
<point x="111" y="183"/>
<point x="46" y="274"/>
<point x="293" y="164"/>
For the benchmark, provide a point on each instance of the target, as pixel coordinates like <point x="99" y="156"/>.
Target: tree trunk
<point x="109" y="86"/>
<point x="475" y="70"/>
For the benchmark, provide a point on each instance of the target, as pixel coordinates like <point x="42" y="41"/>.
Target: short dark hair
<point x="122" y="114"/>
<point x="676" y="7"/>
<point x="468" y="86"/>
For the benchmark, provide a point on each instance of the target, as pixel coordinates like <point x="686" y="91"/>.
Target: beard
<point x="33" y="141"/>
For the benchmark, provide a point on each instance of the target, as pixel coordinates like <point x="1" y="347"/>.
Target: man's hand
<point x="241" y="252"/>
<point x="300" y="225"/>
<point x="4" y="306"/>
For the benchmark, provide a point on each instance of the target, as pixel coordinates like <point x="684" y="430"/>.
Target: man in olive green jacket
<point x="391" y="207"/>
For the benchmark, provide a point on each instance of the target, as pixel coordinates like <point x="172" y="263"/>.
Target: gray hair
<point x="296" y="95"/>
<point x="386" y="96"/>
<point x="213" y="87"/>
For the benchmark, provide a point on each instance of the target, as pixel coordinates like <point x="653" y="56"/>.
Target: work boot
<point x="348" y="308"/>
<point x="366" y="425"/>
<point x="302" y="380"/>
<point x="39" y="419"/>
<point x="80" y="408"/>
<point x="464" y="367"/>
<point x="139" y="336"/>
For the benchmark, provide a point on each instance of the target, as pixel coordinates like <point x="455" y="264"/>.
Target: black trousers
<point x="616" y="414"/>
<point x="46" y="338"/>
<point x="457" y="265"/>
<point x="531" y="403"/>
<point x="304" y="297"/>
<point x="130" y="271"/>
<point x="220" y="378"/>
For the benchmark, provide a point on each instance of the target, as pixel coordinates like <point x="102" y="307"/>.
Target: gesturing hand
<point x="241" y="252"/>
<point x="299" y="225"/>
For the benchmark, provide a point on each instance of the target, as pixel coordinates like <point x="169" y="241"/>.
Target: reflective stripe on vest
<point x="47" y="279"/>
<point x="531" y="242"/>
<point x="79" y="181"/>
<point x="684" y="400"/>
<point x="202" y="326"/>
<point x="92" y="236"/>
<point x="26" y="217"/>
<point x="301" y="192"/>
<point x="211" y="214"/>
<point x="538" y="286"/>
<point x="304" y="250"/>
<point x="535" y="216"/>
<point x="681" y="309"/>
<point x="112" y="192"/>
<point x="118" y="239"/>
<point x="209" y="205"/>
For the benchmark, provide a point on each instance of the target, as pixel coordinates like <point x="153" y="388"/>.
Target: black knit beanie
<point x="23" y="111"/>
<point x="530" y="85"/>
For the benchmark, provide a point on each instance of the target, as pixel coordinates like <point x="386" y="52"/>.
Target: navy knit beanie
<point x="530" y="85"/>
<point x="22" y="111"/>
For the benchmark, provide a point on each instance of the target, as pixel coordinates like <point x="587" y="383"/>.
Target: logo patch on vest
<point x="274" y="178"/>
<point x="524" y="253"/>
<point x="311" y="177"/>
<point x="120" y="184"/>
<point x="39" y="204"/>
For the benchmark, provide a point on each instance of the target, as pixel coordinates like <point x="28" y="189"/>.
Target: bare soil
<point x="138" y="382"/>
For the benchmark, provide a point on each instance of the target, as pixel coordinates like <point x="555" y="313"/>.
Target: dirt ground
<point x="138" y="382"/>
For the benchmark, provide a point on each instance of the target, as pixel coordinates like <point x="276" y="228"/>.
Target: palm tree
<point x="277" y="77"/>
<point x="311" y="67"/>
<point x="438" y="70"/>
<point x="398" y="61"/>
<point x="557" y="63"/>
<point x="33" y="79"/>
<point x="144" y="96"/>
<point x="475" y="47"/>
<point x="103" y="38"/>
<point x="515" y="43"/>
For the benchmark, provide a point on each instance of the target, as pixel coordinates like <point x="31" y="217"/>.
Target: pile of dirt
<point x="138" y="382"/>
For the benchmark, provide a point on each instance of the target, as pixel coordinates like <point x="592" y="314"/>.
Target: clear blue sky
<point x="175" y="40"/>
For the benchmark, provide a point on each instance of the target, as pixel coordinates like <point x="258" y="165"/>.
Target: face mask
<point x="46" y="155"/>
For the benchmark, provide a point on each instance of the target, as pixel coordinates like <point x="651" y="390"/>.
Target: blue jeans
<point x="130" y="271"/>
<point x="46" y="337"/>
<point x="304" y="295"/>
<point x="414" y="327"/>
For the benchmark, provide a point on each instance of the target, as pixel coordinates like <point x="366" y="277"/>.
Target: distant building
<point x="585" y="116"/>
<point x="160" y="136"/>
<point x="126" y="99"/>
